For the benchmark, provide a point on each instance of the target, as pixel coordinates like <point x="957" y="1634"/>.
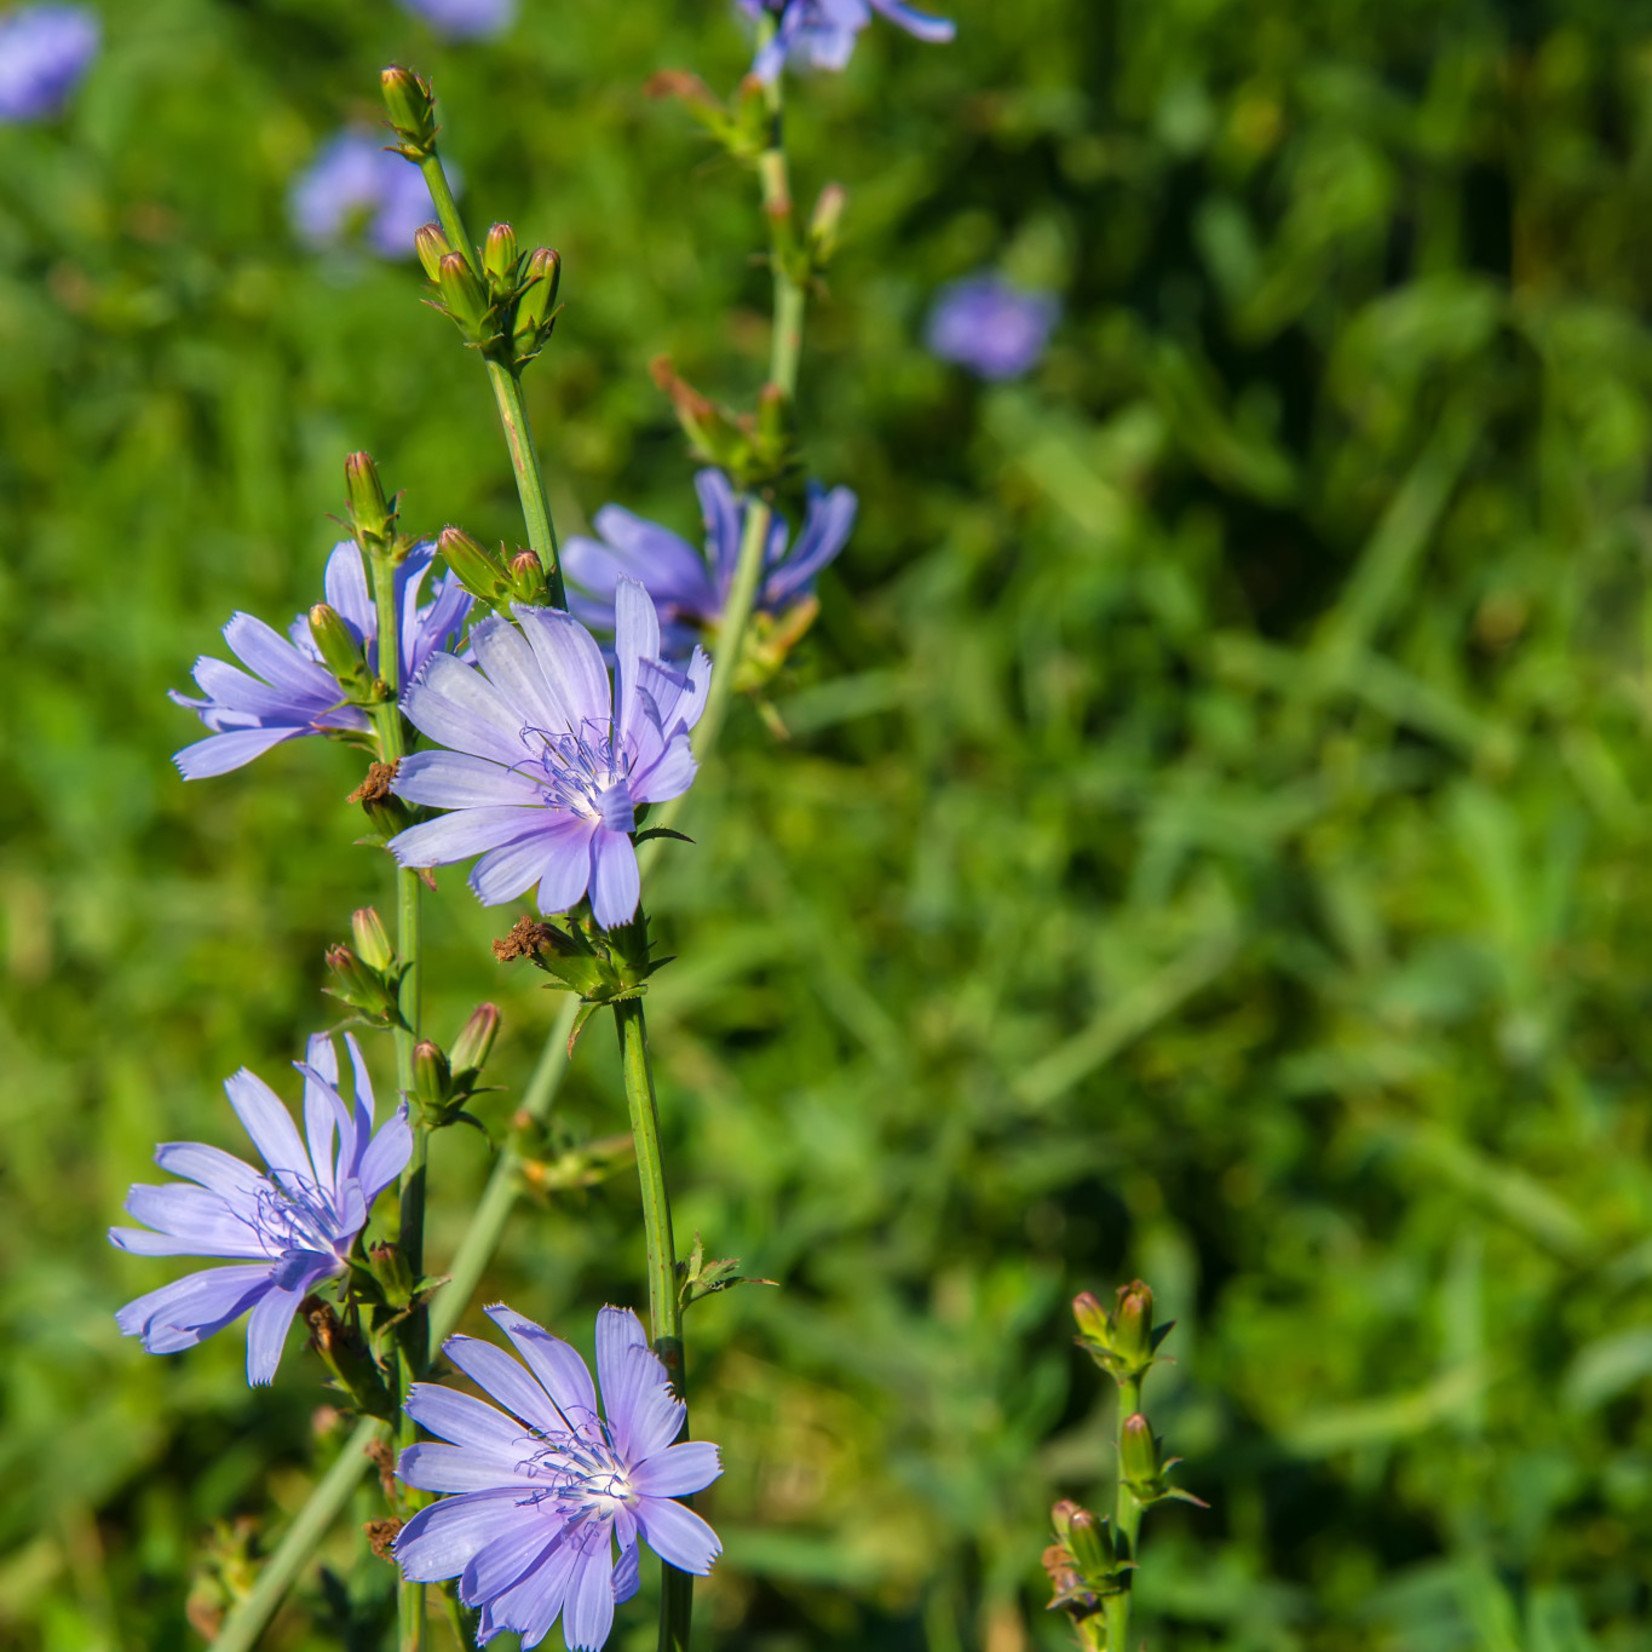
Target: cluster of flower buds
<point x="444" y="1083"/>
<point x="1085" y="1565"/>
<point x="504" y="302"/>
<point x="367" y="975"/>
<point x="1122" y="1340"/>
<point x="490" y="576"/>
<point x="757" y="450"/>
<point x="1144" y="1467"/>
<point x="603" y="966"/>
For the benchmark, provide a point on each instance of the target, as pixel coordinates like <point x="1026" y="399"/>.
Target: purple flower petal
<point x="212" y="1167"/>
<point x="499" y="1565"/>
<point x="463" y="1420"/>
<point x="267" y="1327"/>
<point x="588" y="1613"/>
<point x="570" y="661"/>
<point x="220" y="753"/>
<point x="616" y="884"/>
<point x="386" y="1156"/>
<point x="181" y="1314"/>
<point x="495" y="1371"/>
<point x="453" y="1468"/>
<point x="268" y="1123"/>
<point x="555" y="1363"/>
<point x="189" y="1221"/>
<point x="506" y="872"/>
<point x="440" y="1541"/>
<point x="454" y="706"/>
<point x="464" y="833"/>
<point x="678" y="1471"/>
<point x="678" y="1535"/>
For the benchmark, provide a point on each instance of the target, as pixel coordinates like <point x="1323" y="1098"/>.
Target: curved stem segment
<point x="1126" y="1522"/>
<point x="507" y="395"/>
<point x="665" y="1314"/>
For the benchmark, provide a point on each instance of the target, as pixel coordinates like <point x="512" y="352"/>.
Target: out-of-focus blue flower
<point x="545" y="769"/>
<point x="691" y="589"/>
<point x="820" y="34"/>
<point x="44" y="51"/>
<point x="545" y="1488"/>
<point x="996" y="330"/>
<point x="355" y="186"/>
<point x="293" y="693"/>
<point x="286" y="1231"/>
<point x="465" y="19"/>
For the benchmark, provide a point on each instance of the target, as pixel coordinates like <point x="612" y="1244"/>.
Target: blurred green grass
<point x="1211" y="843"/>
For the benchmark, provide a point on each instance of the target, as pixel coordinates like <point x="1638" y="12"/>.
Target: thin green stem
<point x="774" y="178"/>
<point x="1126" y="1523"/>
<point x="507" y="395"/>
<point x="665" y="1314"/>
<point x="246" y="1623"/>
<point x="411" y="1355"/>
<point x="731" y="630"/>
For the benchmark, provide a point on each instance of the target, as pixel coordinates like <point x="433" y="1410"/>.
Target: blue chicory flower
<point x="286" y="1231"/>
<point x="820" y="34"/>
<point x="355" y="185"/>
<point x="44" y="52"/>
<point x="293" y="693"/>
<point x="995" y="329"/>
<point x="545" y="771"/>
<point x="465" y="19"/>
<point x="544" y="1487"/>
<point x="691" y="589"/>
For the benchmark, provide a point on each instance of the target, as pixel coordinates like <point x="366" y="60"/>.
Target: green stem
<point x="774" y="178"/>
<point x="665" y="1314"/>
<point x="507" y="395"/>
<point x="731" y="632"/>
<point x="1126" y="1523"/>
<point x="411" y="1351"/>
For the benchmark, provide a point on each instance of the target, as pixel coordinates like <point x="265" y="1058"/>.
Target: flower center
<point x="587" y="1479"/>
<point x="297" y="1216"/>
<point x="583" y="772"/>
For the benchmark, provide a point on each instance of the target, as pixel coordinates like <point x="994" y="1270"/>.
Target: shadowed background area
<point x="1211" y="842"/>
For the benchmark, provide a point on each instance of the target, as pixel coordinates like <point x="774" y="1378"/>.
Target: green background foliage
<point x="1211" y="844"/>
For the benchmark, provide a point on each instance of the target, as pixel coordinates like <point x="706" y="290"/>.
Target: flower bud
<point x="372" y="939"/>
<point x="432" y="1079"/>
<point x="479" y="570"/>
<point x="336" y="643"/>
<point x="1133" y="1324"/>
<point x="536" y="305"/>
<point x="389" y="1267"/>
<point x="528" y="583"/>
<point x="372" y="516"/>
<point x="463" y="296"/>
<point x="1088" y="1543"/>
<point x="474" y="1044"/>
<point x="824" y="223"/>
<point x="1090" y="1316"/>
<point x="432" y="247"/>
<point x="1139" y="1454"/>
<point x="362" y="988"/>
<point x="412" y="109"/>
<point x="499" y="258"/>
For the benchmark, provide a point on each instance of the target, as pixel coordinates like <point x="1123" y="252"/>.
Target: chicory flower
<point x="995" y="329"/>
<point x="691" y="589"/>
<point x="356" y="186"/>
<point x="44" y="52"/>
<point x="284" y="1232"/>
<point x="545" y="768"/>
<point x="465" y="19"/>
<point x="544" y="1487"/>
<point x="292" y="693"/>
<point x="820" y="34"/>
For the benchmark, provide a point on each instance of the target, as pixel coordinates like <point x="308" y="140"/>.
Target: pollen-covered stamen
<point x="582" y="771"/>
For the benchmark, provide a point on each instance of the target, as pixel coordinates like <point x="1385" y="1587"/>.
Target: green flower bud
<point x="432" y="1079"/>
<point x="479" y="570"/>
<point x="362" y="988"/>
<point x="499" y="258"/>
<point x="432" y="247"/>
<point x="412" y="109"/>
<point x="339" y="651"/>
<point x="1090" y="1316"/>
<point x="1139" y="1455"/>
<point x="824" y="224"/>
<point x="464" y="297"/>
<point x="1133" y="1324"/>
<point x="535" y="316"/>
<point x="372" y="939"/>
<point x="372" y="516"/>
<point x="475" y="1041"/>
<point x="1088" y="1543"/>
<point x="389" y="1267"/>
<point x="528" y="582"/>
